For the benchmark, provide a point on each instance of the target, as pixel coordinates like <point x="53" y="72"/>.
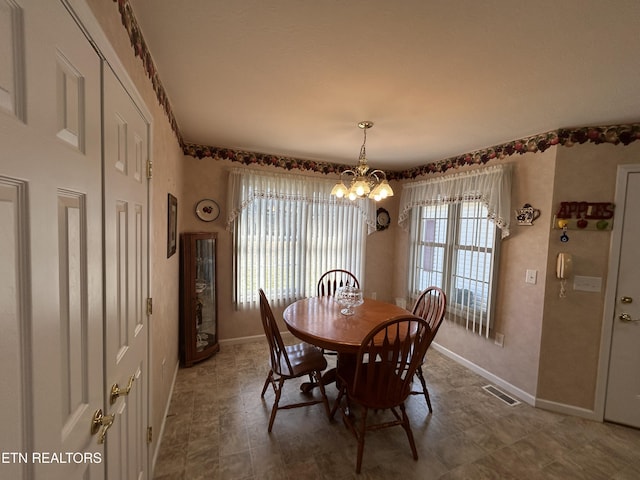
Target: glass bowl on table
<point x="348" y="297"/>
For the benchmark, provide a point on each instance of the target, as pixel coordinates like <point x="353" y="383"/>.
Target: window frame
<point x="480" y="321"/>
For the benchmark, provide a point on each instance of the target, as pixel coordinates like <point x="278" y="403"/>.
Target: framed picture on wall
<point x="172" y="225"/>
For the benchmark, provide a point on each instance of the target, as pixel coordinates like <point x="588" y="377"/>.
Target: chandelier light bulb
<point x="339" y="190"/>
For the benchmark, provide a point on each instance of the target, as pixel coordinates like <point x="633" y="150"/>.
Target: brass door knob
<point x="625" y="317"/>
<point x="101" y="423"/>
<point x="116" y="391"/>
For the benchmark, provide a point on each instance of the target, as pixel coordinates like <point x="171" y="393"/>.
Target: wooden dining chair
<point x="290" y="361"/>
<point x="331" y="280"/>
<point x="380" y="378"/>
<point x="431" y="306"/>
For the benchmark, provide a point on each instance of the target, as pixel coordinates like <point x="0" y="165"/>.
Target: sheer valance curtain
<point x="491" y="186"/>
<point x="245" y="185"/>
<point x="288" y="230"/>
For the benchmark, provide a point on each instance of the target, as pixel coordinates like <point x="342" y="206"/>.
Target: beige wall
<point x="167" y="178"/>
<point x="570" y="346"/>
<point x="551" y="344"/>
<point x="381" y="272"/>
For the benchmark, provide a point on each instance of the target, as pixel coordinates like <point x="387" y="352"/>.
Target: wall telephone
<point x="564" y="266"/>
<point x="564" y="269"/>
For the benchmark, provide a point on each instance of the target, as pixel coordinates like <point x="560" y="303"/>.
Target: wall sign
<point x="584" y="216"/>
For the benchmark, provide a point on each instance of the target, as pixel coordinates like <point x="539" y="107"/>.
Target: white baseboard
<point x="253" y="338"/>
<point x="494" y="379"/>
<point x="164" y="420"/>
<point x="517" y="392"/>
<point x="239" y="340"/>
<point x="567" y="409"/>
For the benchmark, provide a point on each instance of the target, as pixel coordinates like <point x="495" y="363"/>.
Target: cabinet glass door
<point x="205" y="290"/>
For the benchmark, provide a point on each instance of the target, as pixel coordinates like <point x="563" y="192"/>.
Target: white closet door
<point x="125" y="204"/>
<point x="51" y="347"/>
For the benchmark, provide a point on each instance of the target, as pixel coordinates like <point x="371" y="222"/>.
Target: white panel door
<point x="623" y="389"/>
<point x="125" y="206"/>
<point x="51" y="346"/>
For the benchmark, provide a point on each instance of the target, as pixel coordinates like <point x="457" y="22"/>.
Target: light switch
<point x="531" y="277"/>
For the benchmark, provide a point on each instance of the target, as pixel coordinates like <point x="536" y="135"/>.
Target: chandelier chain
<point x="363" y="151"/>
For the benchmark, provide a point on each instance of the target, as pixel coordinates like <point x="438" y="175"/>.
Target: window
<point x="453" y="222"/>
<point x="454" y="248"/>
<point x="288" y="230"/>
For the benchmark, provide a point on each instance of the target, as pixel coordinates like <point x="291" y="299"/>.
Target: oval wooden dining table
<point x="317" y="320"/>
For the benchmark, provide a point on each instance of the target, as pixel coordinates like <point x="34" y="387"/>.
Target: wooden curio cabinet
<point x="198" y="298"/>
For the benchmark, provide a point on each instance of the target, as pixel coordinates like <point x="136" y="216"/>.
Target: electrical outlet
<point x="499" y="340"/>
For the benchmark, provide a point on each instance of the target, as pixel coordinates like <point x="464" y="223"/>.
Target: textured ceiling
<point x="437" y="78"/>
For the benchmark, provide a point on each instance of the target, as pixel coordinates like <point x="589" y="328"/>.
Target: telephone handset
<point x="564" y="266"/>
<point x="564" y="269"/>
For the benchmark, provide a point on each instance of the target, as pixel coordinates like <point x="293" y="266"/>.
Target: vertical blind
<point x="288" y="230"/>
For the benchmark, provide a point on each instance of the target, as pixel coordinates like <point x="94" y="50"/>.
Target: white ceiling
<point x="437" y="77"/>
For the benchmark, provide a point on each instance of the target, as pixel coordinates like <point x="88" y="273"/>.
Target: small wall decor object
<point x="527" y="215"/>
<point x="382" y="219"/>
<point x="207" y="210"/>
<point x="172" y="225"/>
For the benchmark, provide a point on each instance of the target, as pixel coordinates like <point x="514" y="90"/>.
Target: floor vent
<point x="501" y="395"/>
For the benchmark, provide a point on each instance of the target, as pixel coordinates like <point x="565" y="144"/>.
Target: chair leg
<point x="266" y="383"/>
<point x="426" y="395"/>
<point x="336" y="405"/>
<point x="274" y="409"/>
<point x="361" y="434"/>
<point x="424" y="387"/>
<point x="407" y="428"/>
<point x="325" y="400"/>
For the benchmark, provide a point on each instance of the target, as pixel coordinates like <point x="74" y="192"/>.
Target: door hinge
<point x="149" y="306"/>
<point x="149" y="169"/>
<point x="149" y="434"/>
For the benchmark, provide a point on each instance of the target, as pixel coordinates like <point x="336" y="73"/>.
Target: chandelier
<point x="362" y="181"/>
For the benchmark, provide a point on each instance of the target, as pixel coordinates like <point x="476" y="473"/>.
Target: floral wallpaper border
<point x="617" y="134"/>
<point x="567" y="137"/>
<point x="140" y="49"/>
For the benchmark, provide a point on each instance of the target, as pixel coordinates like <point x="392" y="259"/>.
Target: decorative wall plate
<point x="207" y="210"/>
<point x="382" y="219"/>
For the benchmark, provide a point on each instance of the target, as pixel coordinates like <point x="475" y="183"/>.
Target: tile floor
<point x="217" y="429"/>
